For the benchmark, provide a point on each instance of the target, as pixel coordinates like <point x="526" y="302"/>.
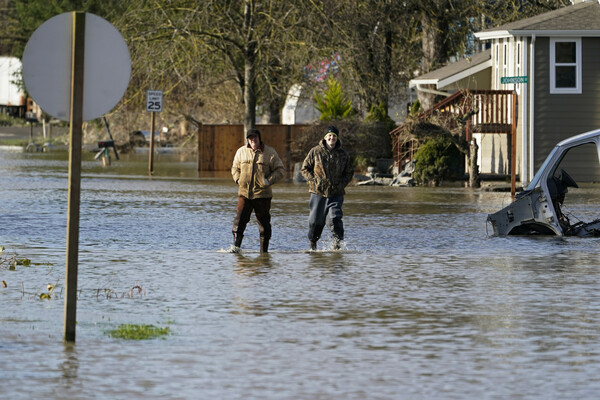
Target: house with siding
<point x="557" y="54"/>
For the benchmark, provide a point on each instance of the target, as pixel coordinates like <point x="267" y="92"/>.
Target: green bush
<point x="437" y="160"/>
<point x="415" y="109"/>
<point x="332" y="104"/>
<point x="379" y="113"/>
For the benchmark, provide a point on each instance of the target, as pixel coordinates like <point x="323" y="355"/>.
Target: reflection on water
<point x="420" y="304"/>
<point x="70" y="366"/>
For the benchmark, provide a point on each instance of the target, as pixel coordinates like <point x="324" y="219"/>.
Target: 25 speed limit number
<point x="154" y="100"/>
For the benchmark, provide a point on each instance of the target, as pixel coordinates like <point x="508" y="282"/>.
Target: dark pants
<point x="325" y="210"/>
<point x="262" y="210"/>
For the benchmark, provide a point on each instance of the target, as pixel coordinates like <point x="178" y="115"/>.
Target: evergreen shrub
<point x="438" y="160"/>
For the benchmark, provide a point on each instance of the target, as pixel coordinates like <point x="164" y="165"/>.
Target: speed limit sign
<point x="154" y="100"/>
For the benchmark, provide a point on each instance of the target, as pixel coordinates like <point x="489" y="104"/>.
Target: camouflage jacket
<point x="251" y="167"/>
<point x="327" y="172"/>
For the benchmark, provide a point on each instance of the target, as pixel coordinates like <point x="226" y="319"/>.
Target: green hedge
<point x="438" y="160"/>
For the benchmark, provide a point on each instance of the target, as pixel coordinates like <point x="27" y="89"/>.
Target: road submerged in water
<point x="421" y="303"/>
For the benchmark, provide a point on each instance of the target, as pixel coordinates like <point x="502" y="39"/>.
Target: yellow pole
<point x="76" y="123"/>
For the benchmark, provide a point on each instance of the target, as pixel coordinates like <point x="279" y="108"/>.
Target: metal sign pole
<point x="153" y="105"/>
<point x="76" y="123"/>
<point x="58" y="87"/>
<point x="151" y="156"/>
<point x="513" y="147"/>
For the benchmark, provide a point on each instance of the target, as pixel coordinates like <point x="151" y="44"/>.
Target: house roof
<point x="456" y="71"/>
<point x="581" y="19"/>
<point x="577" y="20"/>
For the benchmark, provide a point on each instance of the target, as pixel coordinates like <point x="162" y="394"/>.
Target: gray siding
<point x="559" y="116"/>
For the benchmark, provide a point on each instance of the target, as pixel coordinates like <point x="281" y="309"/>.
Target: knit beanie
<point x="332" y="130"/>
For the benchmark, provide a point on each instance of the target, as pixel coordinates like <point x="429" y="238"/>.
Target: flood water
<point x="420" y="304"/>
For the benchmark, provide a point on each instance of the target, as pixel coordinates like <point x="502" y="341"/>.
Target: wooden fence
<point x="217" y="144"/>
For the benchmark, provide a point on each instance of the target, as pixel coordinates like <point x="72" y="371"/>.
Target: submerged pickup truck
<point x="537" y="209"/>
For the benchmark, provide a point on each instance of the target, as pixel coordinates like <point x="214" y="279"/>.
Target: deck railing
<point x="494" y="112"/>
<point x="482" y="111"/>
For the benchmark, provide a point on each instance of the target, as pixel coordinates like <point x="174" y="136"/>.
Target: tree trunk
<point x="273" y="112"/>
<point x="249" y="96"/>
<point x="431" y="46"/>
<point x="474" y="181"/>
<point x="249" y="70"/>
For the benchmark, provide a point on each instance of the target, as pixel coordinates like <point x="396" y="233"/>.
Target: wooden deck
<point x="482" y="111"/>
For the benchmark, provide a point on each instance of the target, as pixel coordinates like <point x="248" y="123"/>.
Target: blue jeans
<point x="325" y="210"/>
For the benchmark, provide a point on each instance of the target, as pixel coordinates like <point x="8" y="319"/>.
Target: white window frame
<point x="505" y="71"/>
<point x="518" y="62"/>
<point x="496" y="65"/>
<point x="554" y="64"/>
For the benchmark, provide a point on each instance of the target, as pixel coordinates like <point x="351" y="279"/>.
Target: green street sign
<point x="514" y="79"/>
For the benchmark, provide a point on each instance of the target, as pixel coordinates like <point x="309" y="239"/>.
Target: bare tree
<point x="247" y="41"/>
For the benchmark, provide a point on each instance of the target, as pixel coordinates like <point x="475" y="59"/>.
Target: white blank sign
<point x="47" y="66"/>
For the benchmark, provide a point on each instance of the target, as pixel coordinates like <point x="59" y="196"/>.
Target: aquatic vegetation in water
<point x="110" y="293"/>
<point x="11" y="262"/>
<point x="138" y="332"/>
<point x="48" y="296"/>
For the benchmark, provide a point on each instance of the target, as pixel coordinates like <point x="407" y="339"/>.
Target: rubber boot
<point x="264" y="245"/>
<point x="237" y="242"/>
<point x="336" y="244"/>
<point x="313" y="245"/>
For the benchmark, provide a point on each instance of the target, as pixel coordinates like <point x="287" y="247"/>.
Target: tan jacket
<point x="251" y="167"/>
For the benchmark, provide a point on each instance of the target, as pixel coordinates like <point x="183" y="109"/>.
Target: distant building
<point x="13" y="100"/>
<point x="551" y="62"/>
<point x="300" y="108"/>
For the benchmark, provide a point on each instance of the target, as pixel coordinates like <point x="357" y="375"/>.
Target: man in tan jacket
<point x="256" y="167"/>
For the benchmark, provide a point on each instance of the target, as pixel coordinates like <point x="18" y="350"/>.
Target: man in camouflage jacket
<point x="328" y="170"/>
<point x="256" y="167"/>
